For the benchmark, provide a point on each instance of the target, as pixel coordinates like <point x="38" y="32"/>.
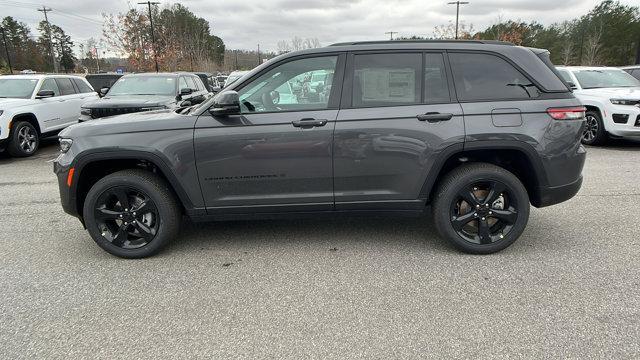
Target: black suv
<point x="477" y="130"/>
<point x="144" y="92"/>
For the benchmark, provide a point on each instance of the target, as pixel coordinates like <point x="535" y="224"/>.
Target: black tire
<point x="478" y="180"/>
<point x="152" y="194"/>
<point x="594" y="133"/>
<point x="24" y="139"/>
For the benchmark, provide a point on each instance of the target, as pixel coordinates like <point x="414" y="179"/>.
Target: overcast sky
<point x="243" y="24"/>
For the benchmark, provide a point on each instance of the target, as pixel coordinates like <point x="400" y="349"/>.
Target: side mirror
<point x="104" y="91"/>
<point x="225" y="104"/>
<point x="185" y="103"/>
<point x="45" y="94"/>
<point x="186" y="91"/>
<point x="572" y="85"/>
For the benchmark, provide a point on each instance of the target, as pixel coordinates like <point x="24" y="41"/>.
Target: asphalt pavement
<point x="325" y="289"/>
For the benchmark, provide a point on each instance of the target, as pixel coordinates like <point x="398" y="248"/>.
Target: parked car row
<point x="40" y="105"/>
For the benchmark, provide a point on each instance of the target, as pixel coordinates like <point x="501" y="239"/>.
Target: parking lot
<point x="344" y="288"/>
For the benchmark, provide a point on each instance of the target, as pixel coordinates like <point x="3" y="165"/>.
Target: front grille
<point x="97" y="113"/>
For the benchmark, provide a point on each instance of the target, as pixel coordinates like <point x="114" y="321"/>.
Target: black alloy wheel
<point x="126" y="217"/>
<point x="480" y="208"/>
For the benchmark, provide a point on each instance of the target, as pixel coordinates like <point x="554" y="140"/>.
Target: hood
<point x="159" y="120"/>
<point x="130" y="101"/>
<point x="625" y="93"/>
<point x="8" y="103"/>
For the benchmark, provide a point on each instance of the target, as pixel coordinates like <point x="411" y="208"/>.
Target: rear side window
<point x="636" y="73"/>
<point x="387" y="80"/>
<point x="50" y="84"/>
<point x="66" y="87"/>
<point x="481" y="77"/>
<point x="82" y="86"/>
<point x="565" y="75"/>
<point x="436" y="89"/>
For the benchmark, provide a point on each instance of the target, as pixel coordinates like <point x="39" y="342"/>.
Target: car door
<point x="50" y="111"/>
<point x="273" y="156"/>
<point x="69" y="97"/>
<point x="397" y="120"/>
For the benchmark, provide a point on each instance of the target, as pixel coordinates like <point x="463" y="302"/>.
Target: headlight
<point x="625" y="102"/>
<point x="65" y="145"/>
<point x="85" y="111"/>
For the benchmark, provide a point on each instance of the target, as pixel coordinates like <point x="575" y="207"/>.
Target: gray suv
<point x="474" y="131"/>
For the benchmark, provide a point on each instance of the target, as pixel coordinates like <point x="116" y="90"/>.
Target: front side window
<point x="386" y="79"/>
<point x="144" y="85"/>
<point x="17" y="88"/>
<point x="65" y="86"/>
<point x="605" y="78"/>
<point x="296" y="85"/>
<point x="50" y="84"/>
<point x="481" y="77"/>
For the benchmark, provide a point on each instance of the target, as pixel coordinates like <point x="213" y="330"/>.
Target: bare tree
<point x="297" y="43"/>
<point x="592" y="46"/>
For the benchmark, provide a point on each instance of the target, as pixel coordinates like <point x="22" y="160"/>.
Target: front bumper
<point x="622" y="128"/>
<point x="67" y="197"/>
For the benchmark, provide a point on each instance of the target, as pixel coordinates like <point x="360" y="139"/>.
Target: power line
<point x="457" y="4"/>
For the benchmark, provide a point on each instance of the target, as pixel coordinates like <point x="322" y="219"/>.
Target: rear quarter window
<point x="485" y="77"/>
<point x="65" y="86"/>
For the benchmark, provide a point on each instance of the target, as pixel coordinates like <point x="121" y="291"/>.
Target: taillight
<point x="568" y="113"/>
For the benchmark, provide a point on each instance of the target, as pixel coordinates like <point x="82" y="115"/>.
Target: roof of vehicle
<point x="40" y="76"/>
<point x="150" y="74"/>
<point x="529" y="59"/>
<point x="588" y="68"/>
<point x="630" y="67"/>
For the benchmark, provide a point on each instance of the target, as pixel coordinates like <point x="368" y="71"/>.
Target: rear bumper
<point x="548" y="196"/>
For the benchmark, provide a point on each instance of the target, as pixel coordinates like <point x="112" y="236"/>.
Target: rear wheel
<point x="24" y="139"/>
<point x="594" y="133"/>
<point x="481" y="208"/>
<point x="131" y="213"/>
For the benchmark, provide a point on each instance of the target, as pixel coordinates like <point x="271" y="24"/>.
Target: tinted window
<point x="65" y="86"/>
<point x="636" y="73"/>
<point x="82" y="86"/>
<point x="50" y="84"/>
<point x="487" y="77"/>
<point x="435" y="79"/>
<point x="386" y="79"/>
<point x="290" y="87"/>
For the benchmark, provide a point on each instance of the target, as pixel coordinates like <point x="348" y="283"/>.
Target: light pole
<point x="6" y="49"/>
<point x="457" y="4"/>
<point x="153" y="37"/>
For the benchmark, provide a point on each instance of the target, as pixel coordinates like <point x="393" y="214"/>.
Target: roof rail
<point x="382" y="42"/>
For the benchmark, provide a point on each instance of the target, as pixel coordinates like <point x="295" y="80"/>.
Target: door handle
<point x="308" y="123"/>
<point x="433" y="117"/>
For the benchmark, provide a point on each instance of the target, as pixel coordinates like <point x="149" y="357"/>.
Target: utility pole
<point x="391" y="34"/>
<point x="153" y="37"/>
<point x="236" y="53"/>
<point x="6" y="49"/>
<point x="457" y="4"/>
<point x="259" y="55"/>
<point x="46" y="19"/>
<point x="97" y="60"/>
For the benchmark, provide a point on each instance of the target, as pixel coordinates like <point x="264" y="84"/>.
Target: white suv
<point x="612" y="99"/>
<point x="33" y="106"/>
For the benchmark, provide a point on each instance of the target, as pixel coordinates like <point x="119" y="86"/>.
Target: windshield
<point x="605" y="78"/>
<point x="17" y="88"/>
<point x="144" y="85"/>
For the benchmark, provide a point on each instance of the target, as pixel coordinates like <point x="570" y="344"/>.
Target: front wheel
<point x="481" y="208"/>
<point x="594" y="133"/>
<point x="24" y="139"/>
<point x="131" y="213"/>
